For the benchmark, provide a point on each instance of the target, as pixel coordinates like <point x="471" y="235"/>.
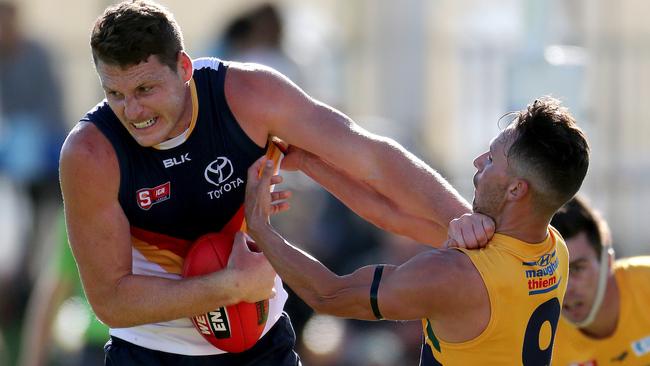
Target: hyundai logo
<point x="544" y="260"/>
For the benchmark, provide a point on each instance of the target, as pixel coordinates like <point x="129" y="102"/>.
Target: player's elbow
<point x="110" y="313"/>
<point x="327" y="295"/>
<point x="105" y="315"/>
<point x="340" y="303"/>
<point x="319" y="298"/>
<point x="324" y="305"/>
<point x="113" y="319"/>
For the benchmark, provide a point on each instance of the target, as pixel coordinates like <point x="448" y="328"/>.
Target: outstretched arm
<point x="266" y="103"/>
<point x="364" y="200"/>
<point x="467" y="231"/>
<point x="433" y="284"/>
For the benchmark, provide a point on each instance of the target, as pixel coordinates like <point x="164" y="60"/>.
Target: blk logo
<point x="176" y="161"/>
<point x="218" y="171"/>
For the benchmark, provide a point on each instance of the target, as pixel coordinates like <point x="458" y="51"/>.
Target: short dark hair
<point x="131" y="31"/>
<point x="577" y="216"/>
<point x="550" y="150"/>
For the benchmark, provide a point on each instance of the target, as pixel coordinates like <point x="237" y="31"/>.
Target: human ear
<point x="517" y="189"/>
<point x="185" y="67"/>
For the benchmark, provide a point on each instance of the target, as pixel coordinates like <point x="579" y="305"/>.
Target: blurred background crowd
<point x="435" y="75"/>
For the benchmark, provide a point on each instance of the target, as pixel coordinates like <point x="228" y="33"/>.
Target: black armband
<point x="373" y="291"/>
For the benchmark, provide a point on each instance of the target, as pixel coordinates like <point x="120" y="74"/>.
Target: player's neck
<point x="606" y="321"/>
<point x="527" y="228"/>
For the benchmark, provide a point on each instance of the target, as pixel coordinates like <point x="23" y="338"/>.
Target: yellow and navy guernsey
<point x="526" y="285"/>
<point x="177" y="191"/>
<point x="630" y="342"/>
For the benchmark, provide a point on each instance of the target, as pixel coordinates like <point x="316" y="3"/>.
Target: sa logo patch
<point x="148" y="197"/>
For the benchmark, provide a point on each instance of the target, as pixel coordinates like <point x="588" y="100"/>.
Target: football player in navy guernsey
<point x="163" y="159"/>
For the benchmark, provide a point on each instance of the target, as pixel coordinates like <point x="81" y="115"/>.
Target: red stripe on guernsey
<point x="235" y="223"/>
<point x="177" y="246"/>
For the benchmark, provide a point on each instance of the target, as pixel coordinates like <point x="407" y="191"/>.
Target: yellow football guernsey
<point x="526" y="285"/>
<point x="630" y="343"/>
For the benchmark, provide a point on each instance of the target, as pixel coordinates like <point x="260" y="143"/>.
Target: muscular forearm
<point x="419" y="189"/>
<point x="138" y="299"/>
<point x="308" y="278"/>
<point x="383" y="164"/>
<point x="371" y="205"/>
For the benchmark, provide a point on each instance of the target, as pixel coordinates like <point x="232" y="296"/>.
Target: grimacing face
<point x="152" y="101"/>
<point x="491" y="178"/>
<point x="584" y="269"/>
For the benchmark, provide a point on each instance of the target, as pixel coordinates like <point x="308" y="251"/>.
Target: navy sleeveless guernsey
<point x="177" y="191"/>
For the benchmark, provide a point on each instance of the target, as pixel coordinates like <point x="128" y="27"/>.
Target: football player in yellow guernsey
<point x="495" y="306"/>
<point x="605" y="314"/>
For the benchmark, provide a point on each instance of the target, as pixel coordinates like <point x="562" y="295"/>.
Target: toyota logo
<point x="218" y="171"/>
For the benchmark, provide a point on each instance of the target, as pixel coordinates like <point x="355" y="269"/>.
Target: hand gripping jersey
<point x="630" y="342"/>
<point x="177" y="191"/>
<point x="526" y="285"/>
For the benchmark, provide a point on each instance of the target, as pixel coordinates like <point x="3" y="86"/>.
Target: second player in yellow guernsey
<point x="494" y="306"/>
<point x="605" y="316"/>
<point x="526" y="284"/>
